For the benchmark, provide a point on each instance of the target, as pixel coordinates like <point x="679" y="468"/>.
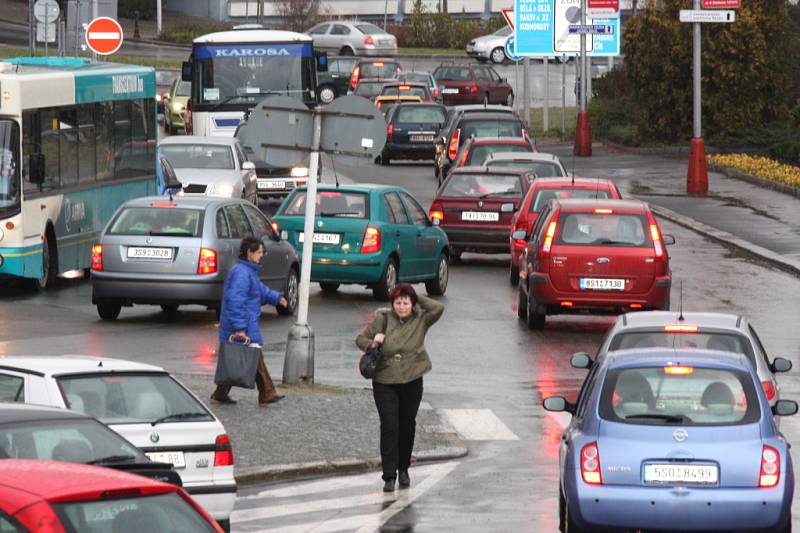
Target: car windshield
<point x="679" y="395"/>
<point x="659" y="338"/>
<point x="505" y="30"/>
<point x="479" y="153"/>
<point x="184" y="88"/>
<point x="404" y="90"/>
<point x="545" y="195"/>
<point x="542" y="170"/>
<point x="369" y="29"/>
<point x="591" y="229"/>
<point x="158" y="221"/>
<point x="486" y="185"/>
<point x="452" y="73"/>
<point x="369" y="88"/>
<point x="491" y="128"/>
<point x="123" y="398"/>
<point x="416" y="77"/>
<point x="9" y="168"/>
<point x="420" y="115"/>
<point x="76" y="440"/>
<point x="206" y="156"/>
<point x="329" y="204"/>
<point x="379" y="69"/>
<point x="162" y="512"/>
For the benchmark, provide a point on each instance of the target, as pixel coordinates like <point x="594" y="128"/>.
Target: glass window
<point x="542" y="170"/>
<point x="330" y="204"/>
<point x="420" y="115"/>
<point x="395" y="208"/>
<point x="482" y="74"/>
<point x="338" y="29"/>
<point x="104" y="130"/>
<point x="369" y="29"/>
<point x="452" y="73"/>
<point x="184" y="88"/>
<point x="122" y="138"/>
<point x="31" y="144"/>
<point x="86" y="143"/>
<point x="239" y="226"/>
<point x="259" y="222"/>
<point x="545" y="195"/>
<point x="478" y="154"/>
<point x="319" y="30"/>
<point x="759" y="347"/>
<point x="586" y="391"/>
<point x="537" y="227"/>
<point x="679" y="396"/>
<point x="68" y="132"/>
<point x="493" y="74"/>
<point x="418" y="77"/>
<point x="158" y="221"/>
<point x="417" y="213"/>
<point x="368" y="89"/>
<point x="379" y="69"/>
<point x="405" y="90"/>
<point x="9" y="167"/>
<point x="209" y="156"/>
<point x="223" y="231"/>
<point x="603" y="230"/>
<point x="505" y="30"/>
<point x="492" y="128"/>
<point x="9" y="525"/>
<point x="12" y="388"/>
<point x="131" y="398"/>
<point x="50" y="148"/>
<point x="460" y="185"/>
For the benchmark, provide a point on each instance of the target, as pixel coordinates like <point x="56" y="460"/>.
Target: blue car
<point x="673" y="440"/>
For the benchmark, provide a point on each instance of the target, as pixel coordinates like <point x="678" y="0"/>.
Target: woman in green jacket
<point x="397" y="385"/>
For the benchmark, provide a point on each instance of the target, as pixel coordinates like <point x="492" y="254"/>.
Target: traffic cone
<point x="697" y="176"/>
<point x="583" y="135"/>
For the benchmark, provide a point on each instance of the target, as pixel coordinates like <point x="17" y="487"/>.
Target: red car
<point x="56" y="497"/>
<point x="374" y="68"/>
<point x="475" y="150"/>
<point x="473" y="84"/>
<point x="474" y="207"/>
<point x="541" y="192"/>
<point x="593" y="256"/>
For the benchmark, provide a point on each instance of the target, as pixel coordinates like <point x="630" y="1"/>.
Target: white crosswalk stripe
<point x="477" y="424"/>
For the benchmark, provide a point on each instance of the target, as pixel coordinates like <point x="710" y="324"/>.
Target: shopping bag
<point x="237" y="364"/>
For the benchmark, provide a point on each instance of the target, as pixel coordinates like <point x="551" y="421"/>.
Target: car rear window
<point x="491" y="128"/>
<point x="123" y="398"/>
<point x="171" y="221"/>
<point x="415" y="77"/>
<point x="405" y="90"/>
<point x="484" y="185"/>
<point x="542" y="170"/>
<point x="369" y="88"/>
<point x="479" y="153"/>
<point x="420" y="115"/>
<point x="198" y="156"/>
<point x="163" y="512"/>
<point x="726" y="342"/>
<point x="379" y="69"/>
<point x="330" y="204"/>
<point x="679" y="395"/>
<point x="369" y="29"/>
<point x="591" y="229"/>
<point x="452" y="73"/>
<point x="545" y="195"/>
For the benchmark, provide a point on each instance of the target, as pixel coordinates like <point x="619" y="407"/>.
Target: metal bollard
<point x="298" y="365"/>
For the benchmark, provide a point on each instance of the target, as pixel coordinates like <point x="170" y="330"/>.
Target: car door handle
<point x="397" y="233"/>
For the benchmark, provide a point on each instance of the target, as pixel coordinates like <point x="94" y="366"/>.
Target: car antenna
<point x="597" y="190"/>
<point x="100" y="364"/>
<point x="333" y="164"/>
<point x="680" y="313"/>
<point x="573" y="167"/>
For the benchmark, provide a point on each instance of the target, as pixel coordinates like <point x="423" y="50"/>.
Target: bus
<point x="77" y="139"/>
<point x="233" y="70"/>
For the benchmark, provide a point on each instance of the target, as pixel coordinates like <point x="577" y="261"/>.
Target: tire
<point x="169" y="309"/>
<point x="327" y="94"/>
<point x="481" y="59"/>
<point x="562" y="511"/>
<point x="49" y="264"/>
<point x="383" y="289"/>
<point x="438" y="284"/>
<point x="510" y="99"/>
<point x="533" y="318"/>
<point x="513" y="274"/>
<point x="327" y="286"/>
<point x="385" y="159"/>
<point x="109" y="311"/>
<point x="292" y="284"/>
<point x="498" y="56"/>
<point x="522" y="303"/>
<point x="346" y="51"/>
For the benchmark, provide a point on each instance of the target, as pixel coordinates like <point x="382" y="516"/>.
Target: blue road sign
<point x="511" y="53"/>
<point x="592" y="29"/>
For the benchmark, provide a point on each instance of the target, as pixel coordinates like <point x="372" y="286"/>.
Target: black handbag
<point x="237" y="364"/>
<point x="370" y="359"/>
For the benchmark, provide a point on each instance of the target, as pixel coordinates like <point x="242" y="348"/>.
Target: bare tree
<point x="298" y="15"/>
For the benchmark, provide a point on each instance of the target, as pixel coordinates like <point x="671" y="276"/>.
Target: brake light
<point x="368" y="40"/>
<point x="223" y="451"/>
<point x="769" y="389"/>
<point x="681" y="328"/>
<point x="548" y="237"/>
<point x="39" y="517"/>
<point x="163" y="204"/>
<point x="372" y="240"/>
<point x="603" y="211"/>
<point x="636" y="306"/>
<point x="404" y="88"/>
<point x="590" y="465"/>
<point x="656" y="236"/>
<point x="770" y="467"/>
<point x="354" y="77"/>
<point x="377" y="63"/>
<point x="207" y="263"/>
<point x="452" y="150"/>
<point x="97" y="257"/>
<point x="389" y="132"/>
<point x="566" y="304"/>
<point x="473" y="88"/>
<point x="676" y="370"/>
<point x="378" y="104"/>
<point x="275" y="227"/>
<point x="436" y="211"/>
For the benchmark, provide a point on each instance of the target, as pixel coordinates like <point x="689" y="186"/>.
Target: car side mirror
<point x="186" y="71"/>
<point x="779" y="364"/>
<point x="507" y="208"/>
<point x="36" y="168"/>
<point x="519" y="235"/>
<point x="248" y="165"/>
<point x="581" y="360"/>
<point x="558" y="404"/>
<point x="785" y="408"/>
<point x="668" y="239"/>
<point x="322" y="61"/>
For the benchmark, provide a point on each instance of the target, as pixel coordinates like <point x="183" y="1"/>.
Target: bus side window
<point x="50" y="148"/>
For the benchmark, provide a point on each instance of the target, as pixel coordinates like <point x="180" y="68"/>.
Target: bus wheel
<point x="49" y="268"/>
<point x="109" y="311"/>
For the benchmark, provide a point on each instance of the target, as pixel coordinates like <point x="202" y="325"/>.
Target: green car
<point x="175" y="104"/>
<point x="336" y="81"/>
<point x="373" y="235"/>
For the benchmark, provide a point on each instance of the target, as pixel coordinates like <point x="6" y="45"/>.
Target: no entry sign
<point x="104" y="36"/>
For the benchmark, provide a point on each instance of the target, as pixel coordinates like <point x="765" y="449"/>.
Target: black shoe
<point x="388" y="486"/>
<point x="223" y="400"/>
<point x="402" y="478"/>
<point x="274" y="399"/>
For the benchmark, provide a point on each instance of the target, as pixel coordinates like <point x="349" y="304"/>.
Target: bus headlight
<point x="299" y="172"/>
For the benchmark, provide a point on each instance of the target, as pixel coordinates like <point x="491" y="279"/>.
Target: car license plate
<point x="321" y="238"/>
<point x="681" y="473"/>
<point x="175" y="458"/>
<point x="421" y="138"/>
<point x="450" y="90"/>
<point x="270" y="184"/>
<point x="602" y="284"/>
<point x="140" y="252"/>
<point x="480" y="216"/>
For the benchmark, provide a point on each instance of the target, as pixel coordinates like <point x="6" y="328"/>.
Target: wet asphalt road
<point x="483" y="359"/>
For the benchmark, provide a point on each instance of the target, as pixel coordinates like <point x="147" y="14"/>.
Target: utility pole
<point x="583" y="132"/>
<point x="697" y="175"/>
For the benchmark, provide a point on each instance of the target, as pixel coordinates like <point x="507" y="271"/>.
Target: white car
<point x="545" y="165"/>
<point x="211" y="166"/>
<point x="492" y="46"/>
<point x="144" y="404"/>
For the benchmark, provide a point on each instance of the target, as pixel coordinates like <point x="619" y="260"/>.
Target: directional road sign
<point x="104" y="36"/>
<point x="602" y="8"/>
<point x="592" y="29"/>
<point x="697" y="15"/>
<point x="722" y="4"/>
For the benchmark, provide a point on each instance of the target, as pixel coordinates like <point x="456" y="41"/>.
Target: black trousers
<point x="397" y="408"/>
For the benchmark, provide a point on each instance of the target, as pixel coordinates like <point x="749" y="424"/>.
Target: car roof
<point x="354" y="187"/>
<point x="489" y="115"/>
<point x="486" y="170"/>
<point x="646" y="319"/>
<point x="20" y="412"/>
<point x="66" y="364"/>
<point x="676" y="356"/>
<point x="470" y="108"/>
<point x="527" y="156"/>
<point x="252" y="35"/>
<point x="499" y="140"/>
<point x="582" y="183"/>
<point x="190" y="202"/>
<point x="199" y="139"/>
<point x="584" y="204"/>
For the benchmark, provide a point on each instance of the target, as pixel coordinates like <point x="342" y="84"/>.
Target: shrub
<point x="788" y="151"/>
<point x="146" y="9"/>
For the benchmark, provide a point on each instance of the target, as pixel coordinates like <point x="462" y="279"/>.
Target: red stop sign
<point x="104" y="36"/>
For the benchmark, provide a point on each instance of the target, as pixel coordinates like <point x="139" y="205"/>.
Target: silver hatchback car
<point x="178" y="251"/>
<point x="353" y="38"/>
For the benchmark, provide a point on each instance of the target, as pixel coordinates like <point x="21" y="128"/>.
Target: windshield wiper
<point x="112" y="459"/>
<point x="496" y="193"/>
<point x="225" y="101"/>
<point x="178" y="416"/>
<point x="675" y="419"/>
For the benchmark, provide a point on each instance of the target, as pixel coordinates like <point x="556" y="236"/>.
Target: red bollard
<point x="697" y="176"/>
<point x="583" y="135"/>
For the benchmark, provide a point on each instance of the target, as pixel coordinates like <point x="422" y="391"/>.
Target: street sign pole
<point x="526" y="92"/>
<point x="563" y="95"/>
<point x="546" y="114"/>
<point x="583" y="132"/>
<point x="697" y="175"/>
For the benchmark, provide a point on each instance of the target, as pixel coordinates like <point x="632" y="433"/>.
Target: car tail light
<point x="452" y="150"/>
<point x="378" y="104"/>
<point x="436" y="211"/>
<point x="372" y="240"/>
<point x="590" y="465"/>
<point x="354" y="77"/>
<point x="636" y="306"/>
<point x="97" y="257"/>
<point x="40" y="517"/>
<point x="520" y="244"/>
<point x="368" y="40"/>
<point x="566" y="304"/>
<point x="389" y="132"/>
<point x="548" y="237"/>
<point x="473" y="88"/>
<point x="656" y="236"/>
<point x="223" y="451"/>
<point x="770" y="467"/>
<point x="603" y="211"/>
<point x="681" y="328"/>
<point x="436" y="93"/>
<point x="677" y="370"/>
<point x="769" y="389"/>
<point x="207" y="264"/>
<point x="276" y="227"/>
<point x="378" y="63"/>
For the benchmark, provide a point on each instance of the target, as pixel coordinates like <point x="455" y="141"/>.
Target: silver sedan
<point x="349" y="38"/>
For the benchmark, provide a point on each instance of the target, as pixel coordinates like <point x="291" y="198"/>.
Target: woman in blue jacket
<point x="242" y="298"/>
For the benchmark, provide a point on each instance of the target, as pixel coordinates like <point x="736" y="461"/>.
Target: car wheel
<point x="510" y="99"/>
<point x="498" y="55"/>
<point x="49" y="264"/>
<point x="383" y="289"/>
<point x="522" y="303"/>
<point x="291" y="295"/>
<point x="327" y="94"/>
<point x="327" y="286"/>
<point x="513" y="274"/>
<point x="562" y="511"/>
<point x="346" y="51"/>
<point x="438" y="284"/>
<point x="385" y="159"/>
<point x="485" y="100"/>
<point x="534" y="318"/>
<point x="109" y="311"/>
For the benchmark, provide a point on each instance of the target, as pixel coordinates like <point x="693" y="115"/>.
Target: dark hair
<point x="249" y="244"/>
<point x="404" y="289"/>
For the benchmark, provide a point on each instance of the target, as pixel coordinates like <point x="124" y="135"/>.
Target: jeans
<point x="397" y="408"/>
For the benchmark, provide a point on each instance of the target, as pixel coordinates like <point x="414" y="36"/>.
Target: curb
<point x="337" y="467"/>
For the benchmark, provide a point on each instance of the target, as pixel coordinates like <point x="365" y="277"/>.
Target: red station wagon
<point x="541" y="192"/>
<point x="473" y="84"/>
<point x="593" y="256"/>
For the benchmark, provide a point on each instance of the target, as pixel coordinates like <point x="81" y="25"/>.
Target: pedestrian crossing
<point x="343" y="503"/>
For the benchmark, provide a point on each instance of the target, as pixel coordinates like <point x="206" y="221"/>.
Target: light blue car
<point x="673" y="440"/>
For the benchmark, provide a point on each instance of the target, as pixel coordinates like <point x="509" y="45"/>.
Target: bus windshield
<point x="9" y="168"/>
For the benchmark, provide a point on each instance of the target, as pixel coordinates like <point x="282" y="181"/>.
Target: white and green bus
<point x="77" y="139"/>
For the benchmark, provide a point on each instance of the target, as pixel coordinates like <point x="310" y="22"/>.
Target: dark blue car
<point x="673" y="440"/>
